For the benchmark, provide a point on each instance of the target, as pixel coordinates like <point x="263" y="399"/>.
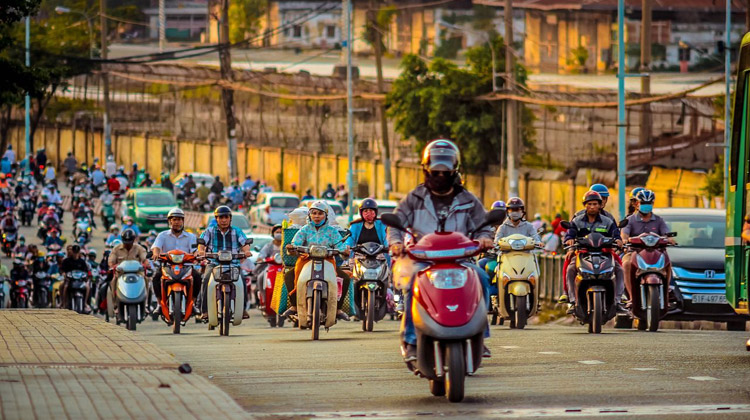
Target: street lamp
<point x="62" y="10"/>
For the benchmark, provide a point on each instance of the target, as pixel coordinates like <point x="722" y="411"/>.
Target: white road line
<point x="644" y="369"/>
<point x="703" y="378"/>
<point x="509" y="347"/>
<point x="591" y="362"/>
<point x="549" y="352"/>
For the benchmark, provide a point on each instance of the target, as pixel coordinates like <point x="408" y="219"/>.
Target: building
<point x="185" y="20"/>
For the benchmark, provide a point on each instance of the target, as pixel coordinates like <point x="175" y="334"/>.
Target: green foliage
<point x="439" y="100"/>
<point x="63" y="107"/>
<point x="244" y="18"/>
<point x="382" y="23"/>
<point x="579" y="56"/>
<point x="714" y="186"/>
<point x="483" y="19"/>
<point x="15" y="10"/>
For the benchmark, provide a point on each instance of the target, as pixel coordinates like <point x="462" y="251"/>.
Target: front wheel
<point x="370" y="319"/>
<point x="654" y="310"/>
<point x="226" y="315"/>
<point x="455" y="374"/>
<point x="437" y="387"/>
<point x="315" y="326"/>
<point x="132" y="317"/>
<point x="521" y="314"/>
<point x="597" y="315"/>
<point x="177" y="312"/>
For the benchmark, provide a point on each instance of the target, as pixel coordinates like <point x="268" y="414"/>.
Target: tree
<point x="714" y="186"/>
<point x="244" y="18"/>
<point x="439" y="100"/>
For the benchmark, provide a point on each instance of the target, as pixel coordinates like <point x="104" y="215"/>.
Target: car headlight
<point x="517" y="244"/>
<point x="448" y="279"/>
<point x="318" y="251"/>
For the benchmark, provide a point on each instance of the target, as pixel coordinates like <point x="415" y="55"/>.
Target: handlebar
<point x="215" y="255"/>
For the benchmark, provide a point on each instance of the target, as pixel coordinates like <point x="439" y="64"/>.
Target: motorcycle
<point x="77" y="289"/>
<point x="265" y="281"/>
<point x="225" y="304"/>
<point x="516" y="275"/>
<point x="19" y="293"/>
<point x="108" y="213"/>
<point x="595" y="281"/>
<point x="450" y="340"/>
<point x="26" y="211"/>
<point x="5" y="287"/>
<point x="370" y="277"/>
<point x="9" y="241"/>
<point x="132" y="293"/>
<point x="82" y="227"/>
<point x="42" y="287"/>
<point x="176" y="288"/>
<point x="647" y="279"/>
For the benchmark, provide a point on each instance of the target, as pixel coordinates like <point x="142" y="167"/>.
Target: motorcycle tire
<point x="78" y="304"/>
<point x="455" y="374"/>
<point x="272" y="321"/>
<point x="177" y="309"/>
<point x="315" y="324"/>
<point x="21" y="304"/>
<point x="132" y="317"/>
<point x="654" y="310"/>
<point x="521" y="314"/>
<point x="279" y="321"/>
<point x="437" y="387"/>
<point x="226" y="316"/>
<point x="370" y="318"/>
<point x="597" y="315"/>
<point x="363" y="309"/>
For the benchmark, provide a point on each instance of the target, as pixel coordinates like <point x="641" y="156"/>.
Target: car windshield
<point x="261" y="241"/>
<point x="386" y="209"/>
<point x="697" y="231"/>
<point x="285" y="202"/>
<point x="338" y="210"/>
<point x="155" y="200"/>
<point x="239" y="221"/>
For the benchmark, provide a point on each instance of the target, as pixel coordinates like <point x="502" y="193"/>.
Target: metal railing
<point x="550" y="277"/>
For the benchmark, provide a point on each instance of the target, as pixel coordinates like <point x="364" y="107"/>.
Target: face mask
<point x="319" y="224"/>
<point x="646" y="208"/>
<point x="440" y="184"/>
<point x="515" y="215"/>
<point x="277" y="236"/>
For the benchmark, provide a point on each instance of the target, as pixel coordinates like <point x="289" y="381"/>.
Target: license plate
<point x="709" y="299"/>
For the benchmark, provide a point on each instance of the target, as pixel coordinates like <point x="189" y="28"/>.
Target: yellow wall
<point x="154" y="164"/>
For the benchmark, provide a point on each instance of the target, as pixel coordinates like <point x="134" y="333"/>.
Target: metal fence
<point x="550" y="277"/>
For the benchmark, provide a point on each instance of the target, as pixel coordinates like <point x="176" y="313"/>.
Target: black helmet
<point x="128" y="236"/>
<point x="275" y="228"/>
<point x="515" y="203"/>
<point x="368" y="203"/>
<point x="441" y="155"/>
<point x="592" y="196"/>
<point x="222" y="211"/>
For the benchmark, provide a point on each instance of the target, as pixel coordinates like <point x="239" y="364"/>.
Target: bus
<point x="738" y="195"/>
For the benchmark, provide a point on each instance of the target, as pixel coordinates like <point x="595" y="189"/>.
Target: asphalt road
<point x="551" y="370"/>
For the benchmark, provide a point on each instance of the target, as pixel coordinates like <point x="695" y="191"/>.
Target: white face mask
<point x="277" y="236"/>
<point x="515" y="215"/>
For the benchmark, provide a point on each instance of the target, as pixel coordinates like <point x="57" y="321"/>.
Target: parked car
<point x="238" y="219"/>
<point x="149" y="207"/>
<point x="271" y="208"/>
<point x="384" y="207"/>
<point x="198" y="177"/>
<point x="698" y="267"/>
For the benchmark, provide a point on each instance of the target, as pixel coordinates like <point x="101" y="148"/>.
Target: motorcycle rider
<point x="71" y="164"/>
<point x="329" y="193"/>
<point x="18" y="272"/>
<point x="128" y="250"/>
<point x="368" y="228"/>
<point x="128" y="223"/>
<point x="9" y="223"/>
<point x="93" y="263"/>
<point x="272" y="248"/>
<point x="21" y="248"/>
<point x="317" y="231"/>
<point x="216" y="190"/>
<point x="166" y="182"/>
<point x="594" y="221"/>
<point x="632" y="204"/>
<point x="74" y="262"/>
<point x="85" y="212"/>
<point x="110" y="167"/>
<point x="440" y="195"/>
<point x="515" y="222"/>
<point x="201" y="195"/>
<point x="53" y="238"/>
<point x="175" y="238"/>
<point x="222" y="236"/>
<point x="114" y="233"/>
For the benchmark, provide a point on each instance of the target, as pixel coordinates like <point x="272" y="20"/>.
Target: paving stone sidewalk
<point x="58" y="364"/>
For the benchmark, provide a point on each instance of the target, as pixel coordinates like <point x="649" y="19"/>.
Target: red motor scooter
<point x="447" y="306"/>
<point x="265" y="282"/>
<point x="647" y="279"/>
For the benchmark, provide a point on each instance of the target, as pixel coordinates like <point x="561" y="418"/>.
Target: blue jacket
<point x="356" y="229"/>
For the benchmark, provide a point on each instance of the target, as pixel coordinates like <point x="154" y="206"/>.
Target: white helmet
<point x="319" y="205"/>
<point x="176" y="212"/>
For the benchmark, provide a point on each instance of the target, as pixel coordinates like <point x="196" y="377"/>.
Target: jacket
<point x="356" y="229"/>
<point x="417" y="212"/>
<point x="524" y="228"/>
<point x="603" y="225"/>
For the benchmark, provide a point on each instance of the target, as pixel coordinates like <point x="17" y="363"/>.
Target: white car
<point x="271" y="207"/>
<point x="342" y="218"/>
<point x="384" y="207"/>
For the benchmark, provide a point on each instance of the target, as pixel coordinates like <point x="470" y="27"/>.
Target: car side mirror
<point x="623" y="223"/>
<point x="201" y="241"/>
<point x="392" y="220"/>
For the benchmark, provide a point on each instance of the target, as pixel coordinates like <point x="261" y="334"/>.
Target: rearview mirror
<point x="671" y="234"/>
<point x="494" y="217"/>
<point x="583" y="232"/>
<point x="201" y="241"/>
<point x="392" y="220"/>
<point x="565" y="224"/>
<point x="623" y="223"/>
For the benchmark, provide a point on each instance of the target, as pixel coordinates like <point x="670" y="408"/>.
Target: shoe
<point x="410" y="353"/>
<point x="342" y="316"/>
<point x="571" y="309"/>
<point x="486" y="352"/>
<point x="622" y="310"/>
<point x="291" y="311"/>
<point x="563" y="299"/>
<point x="245" y="315"/>
<point x="203" y="317"/>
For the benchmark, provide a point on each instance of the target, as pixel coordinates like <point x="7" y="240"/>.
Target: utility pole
<point x="747" y="16"/>
<point x="621" y="163"/>
<point x="383" y="120"/>
<point x="105" y="78"/>
<point x="27" y="98"/>
<point x="645" y="133"/>
<point x="511" y="106"/>
<point x="347" y="12"/>
<point x="162" y="26"/>
<point x="227" y="95"/>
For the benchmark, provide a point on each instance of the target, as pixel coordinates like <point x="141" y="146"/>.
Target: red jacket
<point x="113" y="185"/>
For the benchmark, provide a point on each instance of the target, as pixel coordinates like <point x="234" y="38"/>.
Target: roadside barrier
<point x="550" y="277"/>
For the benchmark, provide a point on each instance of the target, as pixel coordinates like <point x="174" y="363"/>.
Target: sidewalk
<point x="58" y="364"/>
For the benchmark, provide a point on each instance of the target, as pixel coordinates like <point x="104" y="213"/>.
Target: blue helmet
<point x="635" y="192"/>
<point x="498" y="205"/>
<point x="601" y="189"/>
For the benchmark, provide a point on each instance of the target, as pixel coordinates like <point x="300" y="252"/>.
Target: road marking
<point x="644" y="369"/>
<point x="591" y="362"/>
<point x="549" y="352"/>
<point x="703" y="378"/>
<point x="509" y="347"/>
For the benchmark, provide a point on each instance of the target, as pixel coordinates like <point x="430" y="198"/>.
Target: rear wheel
<point x="370" y="319"/>
<point x="736" y="325"/>
<point x="437" y="387"/>
<point x="521" y="314"/>
<point x="654" y="310"/>
<point x="132" y="317"/>
<point x="455" y="374"/>
<point x="226" y="315"/>
<point x="177" y="312"/>
<point x="315" y="326"/>
<point x="597" y="315"/>
<point x="363" y="309"/>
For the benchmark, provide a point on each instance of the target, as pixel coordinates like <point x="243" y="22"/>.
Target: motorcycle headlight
<point x="318" y="251"/>
<point x="371" y="274"/>
<point x="396" y="298"/>
<point x="277" y="259"/>
<point x="643" y="265"/>
<point x="517" y="244"/>
<point x="225" y="256"/>
<point x="448" y="279"/>
<point x="177" y="258"/>
<point x="650" y="240"/>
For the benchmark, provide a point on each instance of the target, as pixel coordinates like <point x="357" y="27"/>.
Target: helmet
<point x="441" y="155"/>
<point x="115" y="243"/>
<point x="635" y="192"/>
<point x="114" y="227"/>
<point x="319" y="205"/>
<point x="128" y="236"/>
<point x="21" y="238"/>
<point x="515" y="203"/>
<point x="499" y="205"/>
<point x="537" y="215"/>
<point x="53" y="230"/>
<point x="176" y="212"/>
<point x="152" y="232"/>
<point x="368" y="203"/>
<point x="601" y="189"/>
<point x="81" y="206"/>
<point x="645" y="196"/>
<point x="92" y="252"/>
<point x="127" y="219"/>
<point x="591" y="196"/>
<point x="223" y="211"/>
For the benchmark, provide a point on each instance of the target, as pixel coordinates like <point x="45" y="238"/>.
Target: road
<point x="543" y="370"/>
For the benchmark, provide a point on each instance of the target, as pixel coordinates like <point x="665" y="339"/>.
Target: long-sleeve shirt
<point x="523" y="228"/>
<point x="603" y="225"/>
<point x="325" y="235"/>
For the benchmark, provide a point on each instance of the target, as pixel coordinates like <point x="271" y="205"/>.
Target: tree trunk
<point x="5" y="116"/>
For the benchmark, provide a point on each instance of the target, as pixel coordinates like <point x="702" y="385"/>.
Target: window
<point x="155" y="200"/>
<point x="697" y="231"/>
<point x="297" y="31"/>
<point x="739" y="130"/>
<point x="285" y="202"/>
<point x="330" y="31"/>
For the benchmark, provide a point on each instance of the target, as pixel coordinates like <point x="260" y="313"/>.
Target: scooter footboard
<point x="423" y="322"/>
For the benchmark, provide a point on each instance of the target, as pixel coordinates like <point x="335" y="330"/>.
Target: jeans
<point x="409" y="333"/>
